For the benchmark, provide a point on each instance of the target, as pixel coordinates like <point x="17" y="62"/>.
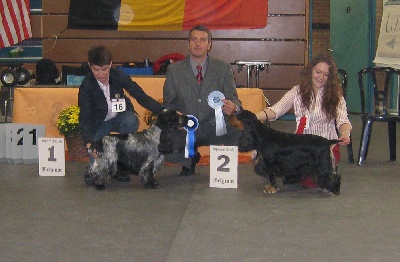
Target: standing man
<point x="188" y="85"/>
<point x="104" y="108"/>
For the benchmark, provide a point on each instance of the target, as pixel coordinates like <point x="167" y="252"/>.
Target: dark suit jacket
<point x="183" y="93"/>
<point x="93" y="104"/>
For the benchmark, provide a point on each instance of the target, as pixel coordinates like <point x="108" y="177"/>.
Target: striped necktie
<point x="199" y="75"/>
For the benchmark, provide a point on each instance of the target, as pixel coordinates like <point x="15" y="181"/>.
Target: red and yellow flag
<point x="167" y="15"/>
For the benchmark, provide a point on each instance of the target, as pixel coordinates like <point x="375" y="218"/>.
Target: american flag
<point x="15" y="22"/>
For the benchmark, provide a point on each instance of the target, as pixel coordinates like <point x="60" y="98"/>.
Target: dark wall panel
<point x="271" y="79"/>
<point x="55" y="6"/>
<point x="287" y="6"/>
<point x="36" y="26"/>
<point x="125" y="50"/>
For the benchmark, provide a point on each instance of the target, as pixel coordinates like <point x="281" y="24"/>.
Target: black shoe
<point x="190" y="171"/>
<point x="187" y="171"/>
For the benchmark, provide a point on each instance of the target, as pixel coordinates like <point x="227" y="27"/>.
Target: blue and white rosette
<point x="190" y="127"/>
<point x="215" y="101"/>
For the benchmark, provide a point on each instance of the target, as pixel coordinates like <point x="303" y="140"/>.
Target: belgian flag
<point x="166" y="15"/>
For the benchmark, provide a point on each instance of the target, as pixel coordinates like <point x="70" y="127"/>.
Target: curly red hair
<point x="333" y="88"/>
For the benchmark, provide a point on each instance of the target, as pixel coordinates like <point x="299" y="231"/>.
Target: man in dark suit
<point x="188" y="85"/>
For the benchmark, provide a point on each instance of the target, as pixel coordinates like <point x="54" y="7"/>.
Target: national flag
<point x="15" y="21"/>
<point x="167" y="15"/>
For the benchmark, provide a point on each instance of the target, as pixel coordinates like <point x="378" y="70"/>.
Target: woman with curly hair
<point x="318" y="104"/>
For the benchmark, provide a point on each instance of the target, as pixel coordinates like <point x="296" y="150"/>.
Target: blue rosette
<point x="190" y="128"/>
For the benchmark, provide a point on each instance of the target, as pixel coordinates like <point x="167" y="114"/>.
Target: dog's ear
<point x="246" y="141"/>
<point x="165" y="145"/>
<point x="172" y="141"/>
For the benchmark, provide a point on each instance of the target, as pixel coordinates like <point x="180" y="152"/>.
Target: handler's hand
<point x="229" y="107"/>
<point x="345" y="139"/>
<point x="93" y="152"/>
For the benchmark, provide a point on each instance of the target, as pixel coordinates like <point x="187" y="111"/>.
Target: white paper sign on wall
<point x="51" y="156"/>
<point x="224" y="166"/>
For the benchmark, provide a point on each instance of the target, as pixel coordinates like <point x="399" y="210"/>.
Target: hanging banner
<point x="166" y="15"/>
<point x="388" y="51"/>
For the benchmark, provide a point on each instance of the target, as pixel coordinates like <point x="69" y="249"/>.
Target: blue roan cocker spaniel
<point x="136" y="153"/>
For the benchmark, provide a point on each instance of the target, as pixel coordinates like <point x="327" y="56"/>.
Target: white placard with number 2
<point x="223" y="166"/>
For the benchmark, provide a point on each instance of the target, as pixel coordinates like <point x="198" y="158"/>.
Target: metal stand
<point x="253" y="65"/>
<point x="8" y="103"/>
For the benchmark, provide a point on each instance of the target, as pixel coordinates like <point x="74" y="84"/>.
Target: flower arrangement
<point x="68" y="121"/>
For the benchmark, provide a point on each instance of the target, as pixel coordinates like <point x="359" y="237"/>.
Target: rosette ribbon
<point x="190" y="127"/>
<point x="215" y="102"/>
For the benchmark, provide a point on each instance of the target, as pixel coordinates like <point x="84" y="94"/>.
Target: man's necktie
<point x="199" y="75"/>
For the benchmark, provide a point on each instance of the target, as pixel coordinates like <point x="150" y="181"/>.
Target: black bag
<point x="46" y="72"/>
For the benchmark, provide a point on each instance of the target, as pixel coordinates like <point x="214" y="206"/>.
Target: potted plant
<point x="68" y="126"/>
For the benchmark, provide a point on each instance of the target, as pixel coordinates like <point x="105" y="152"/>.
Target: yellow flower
<point x="68" y="121"/>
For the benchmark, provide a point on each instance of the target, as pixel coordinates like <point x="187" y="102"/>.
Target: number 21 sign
<point x="223" y="166"/>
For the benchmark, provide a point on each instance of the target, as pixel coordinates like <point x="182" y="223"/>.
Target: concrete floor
<point x="63" y="219"/>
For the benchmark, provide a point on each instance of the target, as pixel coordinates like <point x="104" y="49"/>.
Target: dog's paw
<point x="149" y="183"/>
<point x="279" y="183"/>
<point x="100" y="187"/>
<point x="269" y="189"/>
<point x="153" y="184"/>
<point x="88" y="178"/>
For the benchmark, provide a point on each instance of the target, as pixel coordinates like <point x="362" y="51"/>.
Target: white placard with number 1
<point x="51" y="156"/>
<point x="223" y="166"/>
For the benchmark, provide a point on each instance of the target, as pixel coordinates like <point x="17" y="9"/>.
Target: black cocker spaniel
<point x="287" y="158"/>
